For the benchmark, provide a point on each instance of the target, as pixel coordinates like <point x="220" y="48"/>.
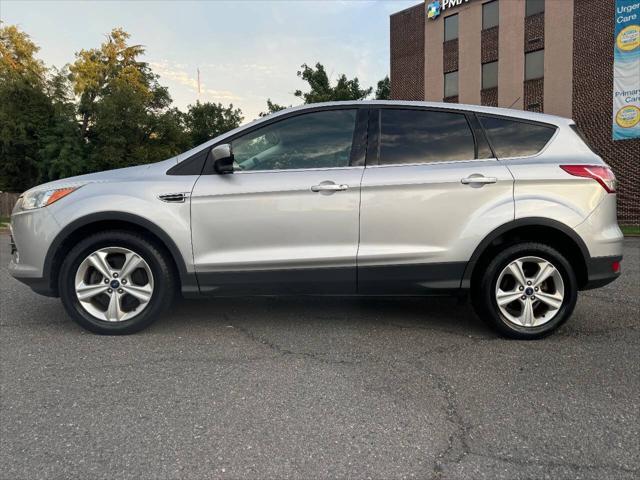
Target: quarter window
<point x="510" y="138"/>
<point x="533" y="7"/>
<point x="451" y="27"/>
<point x="422" y="136"/>
<point x="311" y="140"/>
<point x="451" y="84"/>
<point x="489" y="75"/>
<point x="490" y="14"/>
<point x="534" y="65"/>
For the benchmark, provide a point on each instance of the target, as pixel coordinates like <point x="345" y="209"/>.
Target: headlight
<point x="42" y="198"/>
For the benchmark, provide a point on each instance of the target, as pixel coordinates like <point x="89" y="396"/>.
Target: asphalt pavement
<point x="316" y="388"/>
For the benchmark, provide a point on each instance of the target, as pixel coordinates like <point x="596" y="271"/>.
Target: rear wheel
<point x="115" y="283"/>
<point x="527" y="291"/>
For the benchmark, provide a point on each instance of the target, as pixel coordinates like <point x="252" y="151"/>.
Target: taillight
<point x="603" y="175"/>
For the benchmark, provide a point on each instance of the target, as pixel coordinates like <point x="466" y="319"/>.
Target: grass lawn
<point x="3" y="221"/>
<point x="630" y="229"/>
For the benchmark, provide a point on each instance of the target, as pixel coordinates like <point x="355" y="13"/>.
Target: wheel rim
<point x="529" y="292"/>
<point x="114" y="284"/>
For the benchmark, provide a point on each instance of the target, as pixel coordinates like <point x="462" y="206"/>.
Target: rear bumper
<point x="600" y="271"/>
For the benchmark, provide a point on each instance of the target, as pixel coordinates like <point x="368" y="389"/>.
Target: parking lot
<point x="321" y="388"/>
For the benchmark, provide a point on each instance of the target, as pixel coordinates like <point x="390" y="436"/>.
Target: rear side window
<point x="422" y="136"/>
<point x="511" y="138"/>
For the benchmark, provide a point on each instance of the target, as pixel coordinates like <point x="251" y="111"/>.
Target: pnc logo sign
<point x="435" y="7"/>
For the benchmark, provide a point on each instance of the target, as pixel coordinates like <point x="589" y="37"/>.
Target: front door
<point x="286" y="220"/>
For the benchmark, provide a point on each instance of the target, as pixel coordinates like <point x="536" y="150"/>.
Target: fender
<point x="521" y="222"/>
<point x="188" y="280"/>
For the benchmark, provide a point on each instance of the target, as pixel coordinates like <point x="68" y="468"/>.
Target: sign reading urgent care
<point x="626" y="71"/>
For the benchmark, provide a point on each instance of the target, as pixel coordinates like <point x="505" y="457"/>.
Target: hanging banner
<point x="626" y="71"/>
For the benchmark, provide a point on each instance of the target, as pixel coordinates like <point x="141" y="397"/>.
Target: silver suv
<point x="344" y="198"/>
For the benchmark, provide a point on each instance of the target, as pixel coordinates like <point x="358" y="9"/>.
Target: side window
<point x="423" y="136"/>
<point x="311" y="140"/>
<point x="511" y="138"/>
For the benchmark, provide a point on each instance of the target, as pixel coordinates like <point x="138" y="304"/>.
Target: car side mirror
<point x="222" y="159"/>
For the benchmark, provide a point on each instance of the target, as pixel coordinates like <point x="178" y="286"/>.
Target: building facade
<point x="551" y="56"/>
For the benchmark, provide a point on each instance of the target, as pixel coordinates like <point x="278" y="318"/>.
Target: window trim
<point x="359" y="133"/>
<point x="521" y="120"/>
<point x="375" y="137"/>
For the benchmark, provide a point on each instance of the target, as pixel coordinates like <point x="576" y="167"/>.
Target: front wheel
<point x="115" y="282"/>
<point x="527" y="291"/>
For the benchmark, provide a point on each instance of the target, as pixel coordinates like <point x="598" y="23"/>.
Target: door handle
<point x="329" y="187"/>
<point x="478" y="180"/>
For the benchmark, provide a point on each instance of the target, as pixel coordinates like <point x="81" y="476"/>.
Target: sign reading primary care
<point x="626" y="71"/>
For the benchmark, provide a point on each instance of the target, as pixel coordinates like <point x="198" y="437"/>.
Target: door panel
<point x="420" y="222"/>
<point x="269" y="232"/>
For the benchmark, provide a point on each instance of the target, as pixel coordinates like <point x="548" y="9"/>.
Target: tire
<point x="149" y="281"/>
<point x="534" y="310"/>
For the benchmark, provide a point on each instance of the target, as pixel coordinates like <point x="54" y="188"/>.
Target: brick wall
<point x="534" y="32"/>
<point x="534" y="95"/>
<point x="592" y="100"/>
<point x="450" y="55"/>
<point x="489" y="45"/>
<point x="407" y="54"/>
<point x="489" y="97"/>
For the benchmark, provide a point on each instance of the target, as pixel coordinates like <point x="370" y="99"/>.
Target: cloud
<point x="177" y="73"/>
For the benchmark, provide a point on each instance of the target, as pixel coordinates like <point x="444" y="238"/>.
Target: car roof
<point x="507" y="112"/>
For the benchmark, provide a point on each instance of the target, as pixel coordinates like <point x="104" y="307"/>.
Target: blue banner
<point x="626" y="71"/>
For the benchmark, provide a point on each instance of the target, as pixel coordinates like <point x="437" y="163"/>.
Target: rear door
<point x="286" y="220"/>
<point x="431" y="191"/>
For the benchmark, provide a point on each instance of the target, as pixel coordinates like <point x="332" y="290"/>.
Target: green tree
<point x="125" y="112"/>
<point x="321" y="90"/>
<point x="383" y="90"/>
<point x="205" y="121"/>
<point x="272" y="108"/>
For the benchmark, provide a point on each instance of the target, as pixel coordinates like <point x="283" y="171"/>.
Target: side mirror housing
<point x="222" y="159"/>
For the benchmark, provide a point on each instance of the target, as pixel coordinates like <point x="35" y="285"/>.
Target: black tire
<point x="484" y="288"/>
<point x="164" y="287"/>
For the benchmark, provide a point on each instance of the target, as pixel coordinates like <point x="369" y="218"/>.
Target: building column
<point x="433" y="66"/>
<point x="511" y="54"/>
<point x="558" y="57"/>
<point x="469" y="59"/>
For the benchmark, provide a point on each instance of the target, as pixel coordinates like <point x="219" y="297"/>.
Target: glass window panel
<point x="451" y="84"/>
<point x="451" y="27"/>
<point x="421" y="136"/>
<point x="489" y="75"/>
<point x="511" y="138"/>
<point x="533" y="7"/>
<point x="311" y="140"/>
<point x="534" y="65"/>
<point x="490" y="14"/>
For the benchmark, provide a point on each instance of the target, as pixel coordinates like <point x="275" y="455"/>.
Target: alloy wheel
<point x="114" y="284"/>
<point x="529" y="292"/>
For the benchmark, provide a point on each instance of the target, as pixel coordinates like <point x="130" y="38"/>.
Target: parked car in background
<point x="344" y="198"/>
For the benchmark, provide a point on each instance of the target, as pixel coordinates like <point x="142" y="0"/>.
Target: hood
<point x="119" y="174"/>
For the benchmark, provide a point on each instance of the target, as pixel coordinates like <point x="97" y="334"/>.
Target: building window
<point x="533" y="7"/>
<point x="534" y="65"/>
<point x="489" y="75"/>
<point x="451" y="27"/>
<point x="451" y="84"/>
<point x="490" y="14"/>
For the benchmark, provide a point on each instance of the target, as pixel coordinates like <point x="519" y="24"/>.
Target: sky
<point x="246" y="50"/>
